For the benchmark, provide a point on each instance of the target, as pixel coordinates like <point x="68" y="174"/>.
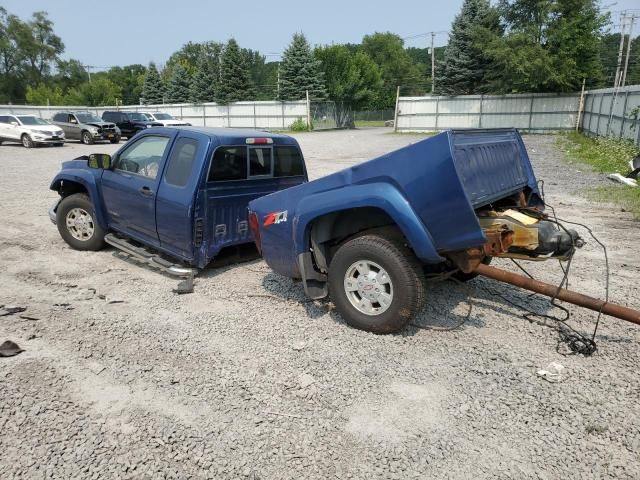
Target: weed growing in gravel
<point x="627" y="197"/>
<point x="605" y="154"/>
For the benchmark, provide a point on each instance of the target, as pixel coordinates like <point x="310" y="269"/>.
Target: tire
<point x="465" y="277"/>
<point x="86" y="138"/>
<point x="59" y="144"/>
<point x="115" y="140"/>
<point x="76" y="221"/>
<point x="27" y="142"/>
<point x="402" y="282"/>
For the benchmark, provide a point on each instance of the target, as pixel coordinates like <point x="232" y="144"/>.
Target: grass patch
<point x="369" y="123"/>
<point x="605" y="155"/>
<point x="626" y="197"/>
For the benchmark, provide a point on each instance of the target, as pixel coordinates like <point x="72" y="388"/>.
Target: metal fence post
<point x="255" y="120"/>
<point x="283" y="125"/>
<point x="614" y="96"/>
<point x="228" y="115"/>
<point x="599" y="113"/>
<point x="395" y="115"/>
<point x="437" y="112"/>
<point x="624" y="111"/>
<point x="531" y="113"/>
<point x="480" y="116"/>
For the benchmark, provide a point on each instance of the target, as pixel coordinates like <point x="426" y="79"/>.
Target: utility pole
<point x="88" y="67"/>
<point x="626" y="33"/>
<point x="433" y="64"/>
<point x="626" y="60"/>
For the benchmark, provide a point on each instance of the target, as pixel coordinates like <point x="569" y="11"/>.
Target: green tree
<point x="206" y="78"/>
<point x="235" y="77"/>
<point x="130" y="78"/>
<point x="99" y="92"/>
<point x="153" y="89"/>
<point x="263" y="75"/>
<point x="178" y="89"/>
<point x="353" y="80"/>
<point x="465" y="64"/>
<point x="45" y="95"/>
<point x="300" y="72"/>
<point x="39" y="46"/>
<point x="388" y="52"/>
<point x="550" y="46"/>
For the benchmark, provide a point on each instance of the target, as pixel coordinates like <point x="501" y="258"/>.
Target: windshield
<point x="88" y="118"/>
<point x="149" y="116"/>
<point x="162" y="116"/>
<point x="138" y="117"/>
<point x="31" y="120"/>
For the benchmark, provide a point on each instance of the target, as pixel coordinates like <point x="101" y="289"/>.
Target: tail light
<point x="254" y="225"/>
<point x="259" y="141"/>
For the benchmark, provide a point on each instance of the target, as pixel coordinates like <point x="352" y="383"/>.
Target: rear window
<point x="241" y="162"/>
<point x="288" y="162"/>
<point x="229" y="163"/>
<point x="181" y="162"/>
<point x="260" y="160"/>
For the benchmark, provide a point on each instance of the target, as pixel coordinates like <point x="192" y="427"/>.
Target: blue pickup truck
<point x="444" y="206"/>
<point x="173" y="197"/>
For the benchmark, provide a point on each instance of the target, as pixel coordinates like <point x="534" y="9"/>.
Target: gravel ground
<point x="245" y="378"/>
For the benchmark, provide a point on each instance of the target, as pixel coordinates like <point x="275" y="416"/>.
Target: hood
<point x="44" y="128"/>
<point x="153" y="124"/>
<point x="174" y="123"/>
<point x="101" y="124"/>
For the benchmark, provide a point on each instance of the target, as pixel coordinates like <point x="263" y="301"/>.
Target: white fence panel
<point x="269" y="115"/>
<point x="610" y="112"/>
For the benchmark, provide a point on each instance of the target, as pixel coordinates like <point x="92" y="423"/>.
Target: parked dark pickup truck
<point x="181" y="191"/>
<point x="445" y="205"/>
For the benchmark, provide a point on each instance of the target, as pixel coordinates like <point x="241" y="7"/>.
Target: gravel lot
<point x="245" y="378"/>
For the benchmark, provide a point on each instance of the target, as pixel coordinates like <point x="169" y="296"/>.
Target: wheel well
<point x="66" y="188"/>
<point x="333" y="228"/>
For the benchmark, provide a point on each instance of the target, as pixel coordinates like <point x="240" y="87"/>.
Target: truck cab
<point x="182" y="192"/>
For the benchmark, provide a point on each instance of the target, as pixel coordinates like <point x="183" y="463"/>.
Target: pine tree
<point x="178" y="90"/>
<point x="300" y="72"/>
<point x="153" y="89"/>
<point x="465" y="65"/>
<point x="235" y="77"/>
<point x="205" y="81"/>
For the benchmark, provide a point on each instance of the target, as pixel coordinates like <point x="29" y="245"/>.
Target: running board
<point x="145" y="256"/>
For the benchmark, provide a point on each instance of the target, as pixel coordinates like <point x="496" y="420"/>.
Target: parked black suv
<point x="129" y="123"/>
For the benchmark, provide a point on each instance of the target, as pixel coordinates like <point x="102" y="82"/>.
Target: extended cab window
<point x="181" y="162"/>
<point x="288" y="162"/>
<point x="60" y="117"/>
<point x="143" y="157"/>
<point x="4" y="119"/>
<point x="229" y="163"/>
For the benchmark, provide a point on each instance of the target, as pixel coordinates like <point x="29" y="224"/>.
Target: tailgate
<point x="491" y="164"/>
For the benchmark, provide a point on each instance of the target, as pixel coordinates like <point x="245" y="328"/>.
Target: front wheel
<point x="77" y="224"/>
<point x="376" y="283"/>
<point x="115" y="140"/>
<point x="27" y="142"/>
<point x="86" y="138"/>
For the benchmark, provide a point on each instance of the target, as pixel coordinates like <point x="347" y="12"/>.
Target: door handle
<point x="146" y="191"/>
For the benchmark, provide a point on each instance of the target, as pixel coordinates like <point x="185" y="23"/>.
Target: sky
<point x="118" y="32"/>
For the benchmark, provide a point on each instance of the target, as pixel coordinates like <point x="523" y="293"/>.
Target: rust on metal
<point x="608" y="308"/>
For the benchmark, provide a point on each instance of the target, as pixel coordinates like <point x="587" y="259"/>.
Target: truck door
<point x="177" y="192"/>
<point x="129" y="190"/>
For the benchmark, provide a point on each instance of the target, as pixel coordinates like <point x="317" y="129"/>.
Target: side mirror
<point x="73" y="120"/>
<point x="14" y="123"/>
<point x="99" y="160"/>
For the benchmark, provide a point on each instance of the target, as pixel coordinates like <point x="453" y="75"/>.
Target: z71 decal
<point x="275" y="218"/>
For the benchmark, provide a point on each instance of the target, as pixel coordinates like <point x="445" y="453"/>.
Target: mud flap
<point x="315" y="283"/>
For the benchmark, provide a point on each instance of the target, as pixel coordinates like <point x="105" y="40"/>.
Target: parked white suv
<point x="29" y="130"/>
<point x="165" y="119"/>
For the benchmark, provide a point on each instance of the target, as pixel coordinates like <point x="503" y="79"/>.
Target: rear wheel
<point x="27" y="142"/>
<point x="59" y="144"/>
<point x="77" y="224"/>
<point x="86" y="138"/>
<point x="376" y="283"/>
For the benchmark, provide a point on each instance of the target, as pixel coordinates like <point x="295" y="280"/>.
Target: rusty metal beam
<point x="612" y="309"/>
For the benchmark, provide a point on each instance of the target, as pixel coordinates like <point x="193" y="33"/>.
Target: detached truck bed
<point x="445" y="206"/>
